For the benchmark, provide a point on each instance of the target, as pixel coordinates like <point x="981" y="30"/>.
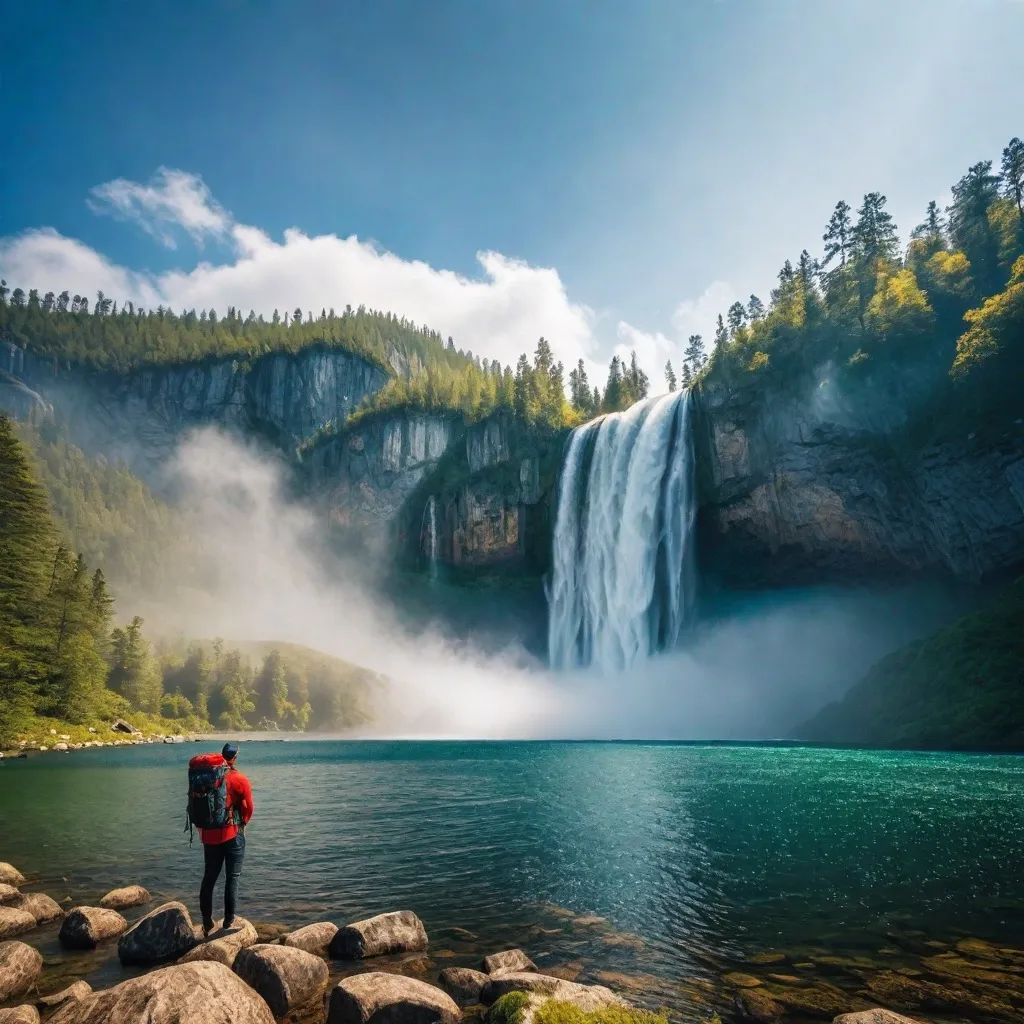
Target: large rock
<point x="72" y="994"/>
<point x="875" y="1016"/>
<point x="380" y="998"/>
<point x="399" y="932"/>
<point x="224" y="945"/>
<point x="586" y="997"/>
<point x="19" y="1015"/>
<point x="201" y="993"/>
<point x="87" y="927"/>
<point x="286" y="977"/>
<point x="163" y="934"/>
<point x="15" y="922"/>
<point x="463" y="984"/>
<point x="20" y="965"/>
<point x="42" y="907"/>
<point x="508" y="960"/>
<point x="10" y="875"/>
<point x="9" y="893"/>
<point x="313" y="938"/>
<point x="129" y="896"/>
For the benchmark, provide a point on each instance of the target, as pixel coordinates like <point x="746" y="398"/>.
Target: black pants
<point x="227" y="855"/>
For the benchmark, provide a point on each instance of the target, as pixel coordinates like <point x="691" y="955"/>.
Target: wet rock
<point x="508" y="960"/>
<point x="740" y="980"/>
<point x="767" y="958"/>
<point x="224" y="945"/>
<point x="380" y="998"/>
<point x="19" y="1015"/>
<point x="129" y="896"/>
<point x="285" y="977"/>
<point x="15" y="922"/>
<point x="20" y="965"/>
<point x="586" y="997"/>
<point x="399" y="932"/>
<point x="200" y="993"/>
<point x="463" y="984"/>
<point x="73" y="993"/>
<point x="42" y="907"/>
<point x="10" y="875"/>
<point x="875" y="1016"/>
<point x="9" y="893"/>
<point x="163" y="934"/>
<point x="757" y="1005"/>
<point x="821" y="999"/>
<point x="269" y="931"/>
<point x="313" y="938"/>
<point x="87" y="927"/>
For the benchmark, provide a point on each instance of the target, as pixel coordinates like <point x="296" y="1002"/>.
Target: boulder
<point x="15" y="922"/>
<point x="43" y="908"/>
<point x="122" y="726"/>
<point x="380" y="998"/>
<point x="20" y="965"/>
<point x="313" y="938"/>
<point x="398" y="932"/>
<point x="286" y="977"/>
<point x="19" y="1015"/>
<point x="8" y="893"/>
<point x="130" y="896"/>
<point x="163" y="934"/>
<point x="224" y="945"/>
<point x="73" y="993"/>
<point x="508" y="960"/>
<point x="87" y="927"/>
<point x="874" y="1016"/>
<point x="10" y="875"/>
<point x="463" y="984"/>
<point x="200" y="993"/>
<point x="586" y="997"/>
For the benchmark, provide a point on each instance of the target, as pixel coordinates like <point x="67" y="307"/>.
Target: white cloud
<point x="172" y="199"/>
<point x="498" y="315"/>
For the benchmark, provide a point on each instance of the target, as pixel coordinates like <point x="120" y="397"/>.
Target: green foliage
<point x="961" y="689"/>
<point x="508" y="1009"/>
<point x="555" y="1011"/>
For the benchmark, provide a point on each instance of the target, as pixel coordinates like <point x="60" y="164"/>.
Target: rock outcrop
<point x="313" y="938"/>
<point x="463" y="984"/>
<point x="380" y="998"/>
<point x="508" y="960"/>
<point x="129" y="896"/>
<point x="87" y="927"/>
<point x="9" y="894"/>
<point x="19" y="1015"/>
<point x="15" y="922"/>
<point x="398" y="932"/>
<point x="586" y="997"/>
<point x="287" y="978"/>
<point x="20" y="965"/>
<point x="10" y="875"/>
<point x="43" y="908"/>
<point x="225" y="945"/>
<point x="163" y="934"/>
<point x="202" y="993"/>
<point x="73" y="993"/>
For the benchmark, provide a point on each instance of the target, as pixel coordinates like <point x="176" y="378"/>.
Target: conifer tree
<point x="670" y="376"/>
<point x="1013" y="174"/>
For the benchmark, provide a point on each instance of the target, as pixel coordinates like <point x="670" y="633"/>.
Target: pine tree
<point x="132" y="672"/>
<point x="737" y="318"/>
<point x="721" y="335"/>
<point x="693" y="356"/>
<point x="614" y="397"/>
<point x="969" y="227"/>
<point x="670" y="376"/>
<point x="755" y="309"/>
<point x="1013" y="173"/>
<point x="838" y="237"/>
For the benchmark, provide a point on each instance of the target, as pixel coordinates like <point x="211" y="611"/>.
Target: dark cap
<point x="230" y="752"/>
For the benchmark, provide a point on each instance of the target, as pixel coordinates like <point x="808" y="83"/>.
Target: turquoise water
<point x="695" y="856"/>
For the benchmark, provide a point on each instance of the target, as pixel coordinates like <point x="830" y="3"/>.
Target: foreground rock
<point x="286" y="977"/>
<point x="875" y="1016"/>
<point x="10" y="875"/>
<point x="463" y="984"/>
<point x="508" y="960"/>
<point x="20" y="1015"/>
<point x="223" y="946"/>
<point x="72" y="994"/>
<point x="20" y="965"/>
<point x="201" y="993"/>
<point x="15" y="922"/>
<point x="42" y="907"/>
<point x="398" y="932"/>
<point x="9" y="893"/>
<point x="163" y="934"/>
<point x="379" y="998"/>
<point x="129" y="896"/>
<point x="87" y="927"/>
<point x="313" y="938"/>
<point x="586" y="997"/>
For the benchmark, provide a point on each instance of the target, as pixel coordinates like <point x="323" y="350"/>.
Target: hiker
<point x="220" y="806"/>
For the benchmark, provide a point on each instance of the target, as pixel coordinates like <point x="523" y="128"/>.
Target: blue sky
<point x="643" y="152"/>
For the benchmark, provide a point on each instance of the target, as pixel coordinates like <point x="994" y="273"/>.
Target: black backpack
<point x="208" y="805"/>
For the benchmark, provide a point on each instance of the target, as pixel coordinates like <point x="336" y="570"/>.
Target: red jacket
<point x="240" y="802"/>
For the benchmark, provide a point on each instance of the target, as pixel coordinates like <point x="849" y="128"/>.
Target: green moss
<point x="508" y="1009"/>
<point x="554" y="1011"/>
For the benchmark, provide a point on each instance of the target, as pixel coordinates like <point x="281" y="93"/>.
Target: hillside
<point x="961" y="689"/>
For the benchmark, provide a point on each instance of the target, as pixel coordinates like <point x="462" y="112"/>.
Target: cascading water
<point x="623" y="580"/>
<point x="431" y="516"/>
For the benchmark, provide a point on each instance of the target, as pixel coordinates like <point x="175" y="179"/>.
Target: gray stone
<point x="200" y="993"/>
<point x="163" y="934"/>
<point x="73" y="993"/>
<point x="86" y="927"/>
<point x="508" y="960"/>
<point x="129" y="896"/>
<point x="20" y="965"/>
<point x="10" y="875"/>
<point x="9" y="893"/>
<point x="398" y="932"/>
<point x="463" y="984"/>
<point x="15" y="922"/>
<point x="19" y="1015"/>
<point x="381" y="998"/>
<point x="285" y="977"/>
<point x="224" y="945"/>
<point x="313" y="938"/>
<point x="43" y="908"/>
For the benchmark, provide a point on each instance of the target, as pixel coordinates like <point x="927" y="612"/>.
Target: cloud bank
<point x="498" y="315"/>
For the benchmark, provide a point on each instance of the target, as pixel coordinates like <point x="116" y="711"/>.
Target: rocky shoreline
<point x="376" y="971"/>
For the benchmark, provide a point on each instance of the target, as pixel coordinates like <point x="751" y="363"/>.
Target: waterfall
<point x="431" y="516"/>
<point x="623" y="581"/>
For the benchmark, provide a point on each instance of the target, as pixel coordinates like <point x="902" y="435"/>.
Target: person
<point x="225" y="847"/>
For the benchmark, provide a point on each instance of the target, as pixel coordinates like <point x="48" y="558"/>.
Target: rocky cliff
<point x="817" y="483"/>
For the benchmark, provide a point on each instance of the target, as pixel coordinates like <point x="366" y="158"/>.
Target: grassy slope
<point x="961" y="689"/>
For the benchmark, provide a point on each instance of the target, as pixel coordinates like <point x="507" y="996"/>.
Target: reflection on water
<point x="674" y="862"/>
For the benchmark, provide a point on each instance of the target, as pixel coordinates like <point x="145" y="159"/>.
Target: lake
<point x="656" y="868"/>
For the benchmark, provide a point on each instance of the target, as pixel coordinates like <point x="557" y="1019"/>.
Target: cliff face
<point x="818" y="486"/>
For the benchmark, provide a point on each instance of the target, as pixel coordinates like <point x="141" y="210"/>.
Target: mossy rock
<point x="513" y="1007"/>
